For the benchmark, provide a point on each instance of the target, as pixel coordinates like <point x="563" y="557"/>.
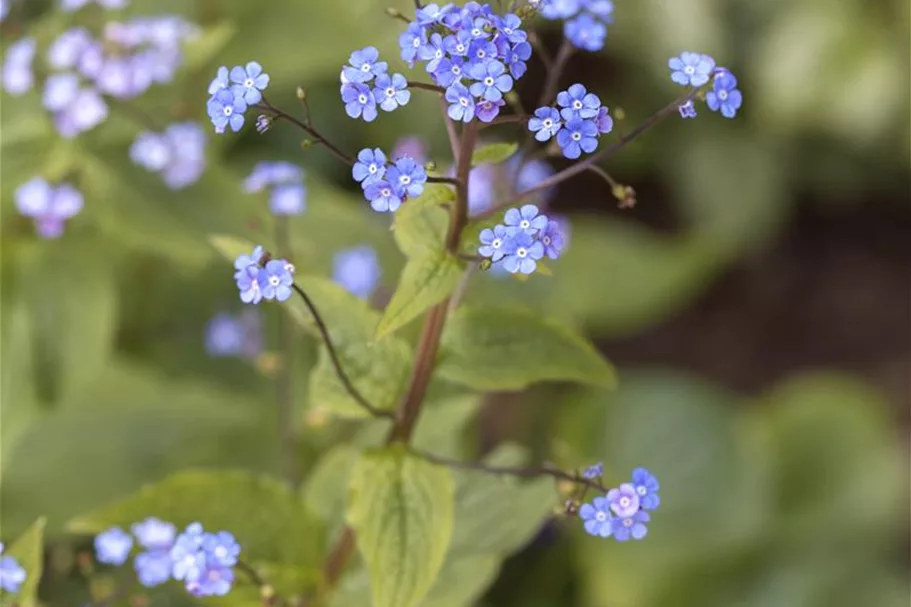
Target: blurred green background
<point x="755" y="301"/>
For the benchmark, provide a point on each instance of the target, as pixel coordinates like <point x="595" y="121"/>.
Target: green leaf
<point x="463" y="581"/>
<point x="200" y="51"/>
<point x="509" y="349"/>
<point x="401" y="508"/>
<point x="493" y="153"/>
<point x="426" y="281"/>
<point x="28" y="550"/>
<point x="230" y="247"/>
<point x="420" y="225"/>
<point x="326" y="490"/>
<point x="269" y="521"/>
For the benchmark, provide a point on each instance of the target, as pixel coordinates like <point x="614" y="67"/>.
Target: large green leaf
<point x="493" y="153"/>
<point x="463" y="581"/>
<point x="511" y="348"/>
<point x="270" y="522"/>
<point x="426" y="281"/>
<point x="402" y="511"/>
<point x="28" y="550"/>
<point x="420" y="225"/>
<point x="326" y="489"/>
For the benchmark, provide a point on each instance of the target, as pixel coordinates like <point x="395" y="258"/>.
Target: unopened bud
<point x="306" y="144"/>
<point x="619" y="114"/>
<point x="394" y="13"/>
<point x="485" y="264"/>
<point x="301" y="93"/>
<point x="267" y="592"/>
<point x="430" y="166"/>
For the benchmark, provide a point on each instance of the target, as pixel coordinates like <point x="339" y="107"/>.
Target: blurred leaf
<point x="270" y="523"/>
<point x="402" y="511"/>
<point x="326" y="490"/>
<point x="511" y="348"/>
<point x="493" y="153"/>
<point x="28" y="550"/>
<point x="420" y="225"/>
<point x="202" y="50"/>
<point x="426" y="281"/>
<point x="231" y="247"/>
<point x="463" y="581"/>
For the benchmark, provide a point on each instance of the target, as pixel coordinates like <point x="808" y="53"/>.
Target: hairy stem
<point x="336" y="363"/>
<point x="287" y="432"/>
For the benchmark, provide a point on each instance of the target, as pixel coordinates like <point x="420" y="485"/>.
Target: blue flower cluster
<point x="178" y="153"/>
<point x="387" y="185"/>
<point x="522" y="240"/>
<point x="586" y="20"/>
<point x="203" y="561"/>
<point x="288" y="195"/>
<point x="73" y="5"/>
<point x="259" y="278"/>
<point x="235" y="335"/>
<point x="366" y="85"/>
<point x="12" y="575"/>
<point x="578" y="122"/>
<point x="47" y="205"/>
<point x="232" y="92"/>
<point x="473" y="53"/>
<point x="696" y="70"/>
<point x="623" y="512"/>
<point x="129" y="58"/>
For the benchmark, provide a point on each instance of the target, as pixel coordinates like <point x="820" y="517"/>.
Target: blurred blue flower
<point x="594" y="471"/>
<point x="221" y="81"/>
<point x="113" y="546"/>
<point x="647" y="488"/>
<point x="47" y="205"/>
<point x="693" y="69"/>
<point x="357" y="270"/>
<point x="154" y="534"/>
<point x="12" y="575"/>
<point x="267" y="174"/>
<point x="631" y="526"/>
<point x="604" y="121"/>
<point x="586" y="32"/>
<point x="59" y="91"/>
<point x="597" y="518"/>
<point x="409" y="146"/>
<point x="624" y="501"/>
<point x="67" y="49"/>
<point x="153" y="567"/>
<point x="288" y="199"/>
<point x="17" y="67"/>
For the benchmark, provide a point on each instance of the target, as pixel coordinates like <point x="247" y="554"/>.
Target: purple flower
<point x="586" y="32"/>
<point x="226" y="109"/>
<point x="359" y="101"/>
<point x="594" y="471"/>
<point x="230" y="335"/>
<point x="113" y="546"/>
<point x="461" y="103"/>
<point x="604" y="121"/>
<point x="249" y="82"/>
<point x="288" y="199"/>
<point x="632" y="526"/>
<point x="525" y="220"/>
<point x="578" y="103"/>
<point x="17" y="67"/>
<point x="407" y="177"/>
<point x="364" y="65"/>
<point x="488" y="110"/>
<point x="522" y="253"/>
<point x="357" y="270"/>
<point x="48" y="206"/>
<point x="624" y="501"/>
<point x="382" y="197"/>
<point x="724" y="95"/>
<point x="577" y="136"/>
<point x="545" y="123"/>
<point x="481" y="188"/>
<point x="151" y="151"/>
<point x="693" y="69"/>
<point x="391" y="92"/>
<point x="647" y="488"/>
<point x="188" y="143"/>
<point x="370" y="166"/>
<point x="597" y="517"/>
<point x="494" y="243"/>
<point x="687" y="110"/>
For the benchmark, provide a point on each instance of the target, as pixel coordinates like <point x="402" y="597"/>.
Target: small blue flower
<point x="604" y="121"/>
<point x="153" y="568"/>
<point x="487" y="110"/>
<point x="492" y="81"/>
<point x="411" y="41"/>
<point x="392" y="92"/>
<point x="267" y="174"/>
<point x="433" y="52"/>
<point x="60" y="90"/>
<point x="47" y="205"/>
<point x="559" y="9"/>
<point x="221" y="81"/>
<point x="359" y="101"/>
<point x="213" y="581"/>
<point x="432" y="13"/>
<point x="724" y="96"/>
<point x="221" y="548"/>
<point x="516" y="58"/>
<point x="450" y="71"/>
<point x="12" y="575"/>
<point x="586" y="32"/>
<point x="691" y="69"/>
<point x="511" y="27"/>
<point x="481" y="52"/>
<point x="187" y="557"/>
<point x="577" y="136"/>
<point x="245" y="261"/>
<point x="357" y="270"/>
<point x="249" y="284"/>
<point x="458" y="43"/>
<point x="545" y="123"/>
<point x="225" y="109"/>
<point x="276" y="280"/>
<point x="687" y="110"/>
<point x="578" y="103"/>
<point x="407" y="177"/>
<point x="113" y="546"/>
<point x="154" y="534"/>
<point x="249" y="82"/>
<point x="411" y="146"/>
<point x="494" y="243"/>
<point x="364" y="65"/>
<point x="461" y="103"/>
<point x="17" y="67"/>
<point x="647" y="488"/>
<point x="597" y="518"/>
<point x="370" y="166"/>
<point x="624" y="500"/>
<point x="553" y="239"/>
<point x="382" y="197"/>
<point x="288" y="199"/>
<point x="525" y="220"/>
<point x="631" y="526"/>
<point x="594" y="471"/>
<point x="522" y="253"/>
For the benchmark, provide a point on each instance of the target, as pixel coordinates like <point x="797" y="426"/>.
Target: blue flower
<point x="577" y="136"/>
<point x="687" y="110"/>
<point x="458" y="43"/>
<point x="213" y="581"/>
<point x="724" y="96"/>
<point x="17" y="67"/>
<point x="359" y="101"/>
<point x="187" y="557"/>
<point x="492" y="80"/>
<point x="449" y="71"/>
<point x="288" y="199"/>
<point x="624" y="500"/>
<point x="553" y="238"/>
<point x="249" y="284"/>
<point x="221" y="81"/>
<point x="154" y="534"/>
<point x="12" y="575"/>
<point x="594" y="471"/>
<point x="433" y="52"/>
<point x="357" y="270"/>
<point x="407" y="177"/>
<point x="559" y="9"/>
<point x="597" y="518"/>
<point x="229" y="335"/>
<point x="150" y="151"/>
<point x="578" y="103"/>
<point x="245" y="261"/>
<point x="432" y="13"/>
<point x="276" y="280"/>
<point x="370" y="166"/>
<point x="113" y="546"/>
<point x="510" y="26"/>
<point x="525" y="220"/>
<point x="249" y="82"/>
<point x="153" y="568"/>
<point x="516" y="58"/>
<point x="691" y="69"/>
<point x="226" y="109"/>
<point x="47" y="205"/>
<point x="411" y="41"/>
<point x="522" y="253"/>
<point x="382" y="197"/>
<point x="364" y="65"/>
<point x="461" y="103"/>
<point x="586" y="32"/>
<point x="221" y="548"/>
<point x="410" y="146"/>
<point x="86" y="111"/>
<point x="545" y="123"/>
<point x="481" y="52"/>
<point x="267" y="174"/>
<point x="60" y="90"/>
<point x="604" y="121"/>
<point x="392" y="92"/>
<point x="631" y="526"/>
<point x="647" y="487"/>
<point x="203" y="561"/>
<point x="487" y="110"/>
<point x="494" y="243"/>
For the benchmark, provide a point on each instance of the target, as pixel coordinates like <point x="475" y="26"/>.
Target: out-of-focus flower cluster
<point x="624" y="511"/>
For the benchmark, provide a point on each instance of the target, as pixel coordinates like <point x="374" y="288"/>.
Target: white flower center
<point x="577" y="136"/>
<point x="524" y="224"/>
<point x="481" y="53"/>
<point x="627" y="522"/>
<point x="438" y="54"/>
<point x="546" y="240"/>
<point x="548" y="123"/>
<point x="460" y="48"/>
<point x="365" y="68"/>
<point x="600" y="517"/>
<point x="416" y="43"/>
<point x="386" y="192"/>
<point x="404" y="180"/>
<point x="248" y="83"/>
<point x="689" y="70"/>
<point x="228" y="110"/>
<point x="522" y="252"/>
<point x="496" y="243"/>
<point x="476" y="32"/>
<point x="641" y="490"/>
<point x="624" y="502"/>
<point x="456" y="70"/>
<point x="577" y="105"/>
<point x="390" y="92"/>
<point x="274" y="281"/>
<point x="362" y="99"/>
<point x="463" y="101"/>
<point x="723" y="95"/>
<point x="488" y="81"/>
<point x="372" y="169"/>
<point x="221" y="552"/>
